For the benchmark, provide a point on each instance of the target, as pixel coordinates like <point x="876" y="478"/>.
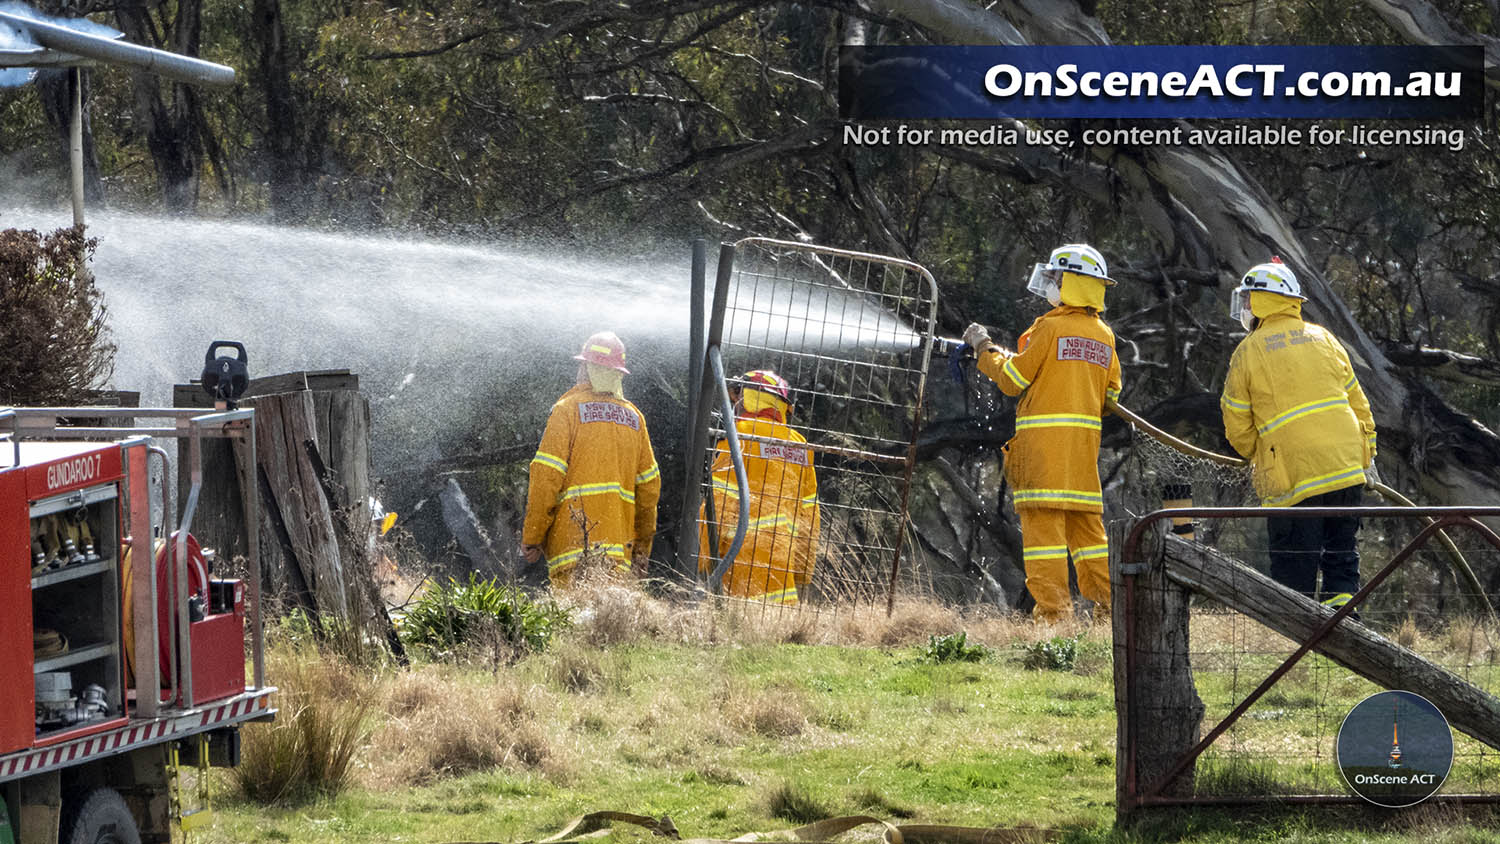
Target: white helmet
<point x="1046" y="279"/>
<point x="1274" y="277"/>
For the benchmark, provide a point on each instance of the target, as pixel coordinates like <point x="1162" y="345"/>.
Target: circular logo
<point x="1395" y="749"/>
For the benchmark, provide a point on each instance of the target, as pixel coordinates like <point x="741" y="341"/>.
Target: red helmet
<point x="604" y="349"/>
<point x="768" y="382"/>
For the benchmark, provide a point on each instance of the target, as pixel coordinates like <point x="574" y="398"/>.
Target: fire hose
<point x="587" y="828"/>
<point x="958" y="351"/>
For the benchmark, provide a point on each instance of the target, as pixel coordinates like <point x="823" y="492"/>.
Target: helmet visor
<point x="1239" y="303"/>
<point x="1043" y="278"/>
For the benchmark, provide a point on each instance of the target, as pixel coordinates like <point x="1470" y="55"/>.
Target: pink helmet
<point x="768" y="382"/>
<point x="604" y="349"/>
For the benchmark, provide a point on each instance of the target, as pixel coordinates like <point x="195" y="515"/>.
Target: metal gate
<point x="852" y="333"/>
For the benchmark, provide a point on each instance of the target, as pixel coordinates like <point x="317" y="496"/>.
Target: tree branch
<point x="1445" y="364"/>
<point x="431" y="51"/>
<point x="1421" y="23"/>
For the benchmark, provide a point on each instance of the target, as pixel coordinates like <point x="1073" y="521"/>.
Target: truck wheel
<point x="99" y="817"/>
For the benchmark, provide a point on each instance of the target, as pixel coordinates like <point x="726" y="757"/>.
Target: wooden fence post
<point x="312" y="447"/>
<point x="1157" y="709"/>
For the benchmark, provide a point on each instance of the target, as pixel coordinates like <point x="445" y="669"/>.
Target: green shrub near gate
<point x="458" y="612"/>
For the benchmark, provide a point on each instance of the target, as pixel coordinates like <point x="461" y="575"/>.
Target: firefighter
<point x="781" y="538"/>
<point x="594" y="479"/>
<point x="1066" y="367"/>
<point x="1293" y="407"/>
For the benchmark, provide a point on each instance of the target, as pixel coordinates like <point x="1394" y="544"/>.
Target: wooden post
<point x="313" y="476"/>
<point x="1157" y="709"/>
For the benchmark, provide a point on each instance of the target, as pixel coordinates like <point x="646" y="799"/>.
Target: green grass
<point x="738" y="737"/>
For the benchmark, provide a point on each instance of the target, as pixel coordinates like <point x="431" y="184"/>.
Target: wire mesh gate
<point x="852" y="334"/>
<point x="1271" y="695"/>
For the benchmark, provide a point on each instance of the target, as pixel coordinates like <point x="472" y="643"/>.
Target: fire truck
<point x="122" y="651"/>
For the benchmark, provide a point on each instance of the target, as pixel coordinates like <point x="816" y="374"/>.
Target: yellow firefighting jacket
<point x="781" y="540"/>
<point x="1067" y="367"/>
<point x="594" y="472"/>
<point x="1293" y="407"/>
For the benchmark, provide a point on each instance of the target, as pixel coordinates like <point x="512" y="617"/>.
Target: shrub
<point x="456" y="613"/>
<point x="1060" y="653"/>
<point x="51" y="318"/>
<point x="954" y="647"/>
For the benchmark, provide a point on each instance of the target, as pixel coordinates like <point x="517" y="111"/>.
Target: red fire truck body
<point x="115" y="664"/>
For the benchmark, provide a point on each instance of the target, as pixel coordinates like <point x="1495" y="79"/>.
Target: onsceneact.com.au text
<point x="1241" y="80"/>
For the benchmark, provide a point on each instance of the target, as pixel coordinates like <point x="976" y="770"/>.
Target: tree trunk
<point x="172" y="128"/>
<point x="274" y="74"/>
<point x="315" y="498"/>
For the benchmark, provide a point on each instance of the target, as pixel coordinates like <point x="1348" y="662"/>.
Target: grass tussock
<point x="608" y="613"/>
<point x="793" y="802"/>
<point x="871" y="801"/>
<point x="1407" y="634"/>
<point x="499" y="616"/>
<point x="774" y="714"/>
<point x="441" y="725"/>
<point x="913" y="623"/>
<point x="1472" y="641"/>
<point x="309" y="750"/>
<point x="576" y="670"/>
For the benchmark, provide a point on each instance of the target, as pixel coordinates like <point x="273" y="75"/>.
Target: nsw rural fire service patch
<point x="786" y="453"/>
<point x="1084" y="349"/>
<point x="603" y="411"/>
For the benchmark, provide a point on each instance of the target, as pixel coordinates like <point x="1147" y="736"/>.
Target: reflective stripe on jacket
<point x="594" y="468"/>
<point x="1292" y="405"/>
<point x="1066" y="367"/>
<point x="781" y="538"/>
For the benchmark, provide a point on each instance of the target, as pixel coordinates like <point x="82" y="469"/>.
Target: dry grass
<point x="607" y="612"/>
<point x="575" y="669"/>
<point x="1472" y="641"/>
<point x="309" y="749"/>
<point x="1407" y="634"/>
<point x="441" y="724"/>
<point x="776" y="713"/>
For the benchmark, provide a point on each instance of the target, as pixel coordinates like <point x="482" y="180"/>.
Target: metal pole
<point x="696" y="327"/>
<point x="167" y="513"/>
<point x="171" y="65"/>
<point x="716" y="580"/>
<point x="692" y="494"/>
<point x="698" y="426"/>
<point x="184" y="642"/>
<point x="146" y="658"/>
<point x="75" y="144"/>
<point x="250" y="495"/>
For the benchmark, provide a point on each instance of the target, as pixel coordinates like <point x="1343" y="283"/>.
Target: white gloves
<point x="977" y="336"/>
<point x="1372" y="477"/>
